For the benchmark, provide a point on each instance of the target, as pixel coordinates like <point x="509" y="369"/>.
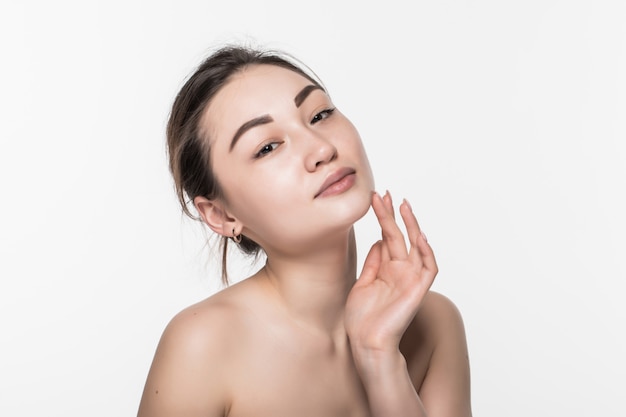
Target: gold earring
<point x="236" y="238"/>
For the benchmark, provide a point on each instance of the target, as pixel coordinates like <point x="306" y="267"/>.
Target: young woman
<point x="257" y="145"/>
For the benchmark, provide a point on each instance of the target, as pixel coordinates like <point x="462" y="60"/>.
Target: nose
<point x="319" y="151"/>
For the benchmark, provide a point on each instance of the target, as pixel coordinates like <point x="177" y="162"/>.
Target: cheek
<point x="355" y="147"/>
<point x="349" y="131"/>
<point x="262" y="196"/>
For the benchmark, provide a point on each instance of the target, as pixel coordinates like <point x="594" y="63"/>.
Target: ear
<point x="216" y="217"/>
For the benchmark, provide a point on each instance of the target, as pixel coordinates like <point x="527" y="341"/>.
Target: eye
<point x="322" y="115"/>
<point x="266" y="149"/>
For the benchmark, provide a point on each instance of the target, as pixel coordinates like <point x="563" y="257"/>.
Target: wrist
<point x="377" y="364"/>
<point x="386" y="380"/>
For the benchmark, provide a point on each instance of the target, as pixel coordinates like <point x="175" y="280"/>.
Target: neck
<point x="312" y="288"/>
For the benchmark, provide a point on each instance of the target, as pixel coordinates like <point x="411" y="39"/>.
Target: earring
<point x="236" y="238"/>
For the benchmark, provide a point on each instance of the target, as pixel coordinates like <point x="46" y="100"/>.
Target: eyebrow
<point x="304" y="93"/>
<point x="258" y="121"/>
<point x="265" y="119"/>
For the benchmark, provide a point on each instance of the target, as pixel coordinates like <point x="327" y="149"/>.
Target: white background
<point x="504" y="123"/>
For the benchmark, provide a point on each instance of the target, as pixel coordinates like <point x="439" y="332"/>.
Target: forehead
<point x="255" y="91"/>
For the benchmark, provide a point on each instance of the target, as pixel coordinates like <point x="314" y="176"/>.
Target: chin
<point x="354" y="208"/>
<point x="364" y="206"/>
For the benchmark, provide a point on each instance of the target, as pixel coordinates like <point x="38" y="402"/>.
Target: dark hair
<point x="188" y="143"/>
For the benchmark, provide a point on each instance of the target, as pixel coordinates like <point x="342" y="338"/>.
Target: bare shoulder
<point x="440" y="314"/>
<point x="189" y="373"/>
<point x="435" y="347"/>
<point x="437" y="318"/>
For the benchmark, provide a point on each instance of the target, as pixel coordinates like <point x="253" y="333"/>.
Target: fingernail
<point x="424" y="236"/>
<point x="407" y="204"/>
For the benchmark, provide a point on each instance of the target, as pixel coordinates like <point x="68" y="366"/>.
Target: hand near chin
<point x="393" y="282"/>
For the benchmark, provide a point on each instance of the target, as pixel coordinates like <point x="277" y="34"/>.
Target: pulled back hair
<point x="188" y="142"/>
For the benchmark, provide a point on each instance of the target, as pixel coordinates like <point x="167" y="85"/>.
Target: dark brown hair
<point x="188" y="143"/>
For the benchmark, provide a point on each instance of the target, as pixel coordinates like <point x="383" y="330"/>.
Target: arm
<point x="445" y="389"/>
<point x="387" y="382"/>
<point x="185" y="377"/>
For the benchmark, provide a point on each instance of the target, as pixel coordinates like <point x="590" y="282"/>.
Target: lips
<point x="334" y="180"/>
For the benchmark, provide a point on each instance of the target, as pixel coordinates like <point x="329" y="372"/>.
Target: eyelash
<point x="270" y="147"/>
<point x="266" y="149"/>
<point x="322" y="115"/>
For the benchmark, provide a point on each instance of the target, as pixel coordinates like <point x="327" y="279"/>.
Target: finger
<point x="384" y="250"/>
<point x="389" y="203"/>
<point x="371" y="264"/>
<point x="389" y="207"/>
<point x="420" y="249"/>
<point x="383" y="246"/>
<point x="410" y="222"/>
<point x="393" y="239"/>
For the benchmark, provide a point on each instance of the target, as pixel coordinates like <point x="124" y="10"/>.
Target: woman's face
<point x="292" y="168"/>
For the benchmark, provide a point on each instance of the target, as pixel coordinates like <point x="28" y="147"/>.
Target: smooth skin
<point x="304" y="336"/>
